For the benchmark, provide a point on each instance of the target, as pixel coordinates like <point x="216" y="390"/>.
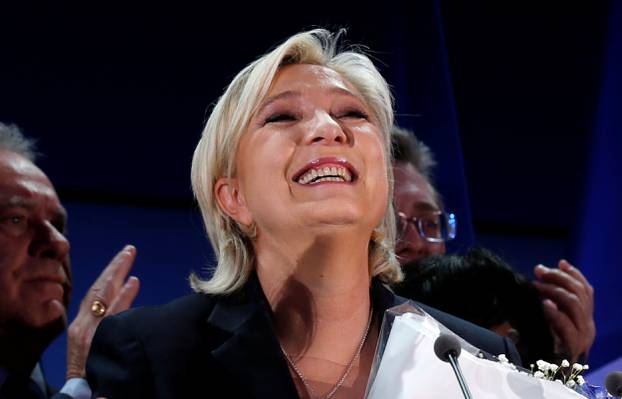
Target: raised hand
<point x="110" y="294"/>
<point x="569" y="308"/>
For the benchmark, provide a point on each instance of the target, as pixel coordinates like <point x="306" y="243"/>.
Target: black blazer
<point x="20" y="389"/>
<point x="204" y="346"/>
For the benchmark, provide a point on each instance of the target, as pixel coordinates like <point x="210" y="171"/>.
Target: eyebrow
<point x="425" y="206"/>
<point x="277" y="97"/>
<point x="341" y="90"/>
<point x="296" y="94"/>
<point x="19" y="202"/>
<point x="16" y="201"/>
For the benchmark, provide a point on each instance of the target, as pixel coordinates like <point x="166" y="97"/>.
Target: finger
<point x="567" y="302"/>
<point x="562" y="326"/>
<point x="576" y="273"/>
<point x="571" y="279"/>
<point x="560" y="278"/>
<point x="111" y="279"/>
<point x="119" y="266"/>
<point x="540" y="270"/>
<point x="126" y="296"/>
<point x="587" y="287"/>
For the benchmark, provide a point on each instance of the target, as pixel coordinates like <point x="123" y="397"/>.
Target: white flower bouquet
<point x="405" y="366"/>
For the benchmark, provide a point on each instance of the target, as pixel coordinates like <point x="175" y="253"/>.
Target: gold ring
<point x="98" y="308"/>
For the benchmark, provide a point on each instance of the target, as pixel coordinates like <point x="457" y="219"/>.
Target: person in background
<point x="418" y="206"/>
<point x="424" y="226"/>
<point x="35" y="279"/>
<point x="480" y="287"/>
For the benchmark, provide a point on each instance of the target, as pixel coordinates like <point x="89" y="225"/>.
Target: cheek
<point x="437" y="249"/>
<point x="41" y="302"/>
<point x="377" y="167"/>
<point x="16" y="302"/>
<point x="378" y="185"/>
<point x="7" y="290"/>
<point x="262" y="167"/>
<point x="9" y="273"/>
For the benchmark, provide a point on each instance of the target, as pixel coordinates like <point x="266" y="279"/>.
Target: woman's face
<point x="312" y="156"/>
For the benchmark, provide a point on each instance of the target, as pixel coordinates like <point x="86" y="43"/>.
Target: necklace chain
<point x="345" y="374"/>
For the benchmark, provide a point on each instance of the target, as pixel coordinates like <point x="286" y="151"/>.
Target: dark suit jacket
<point x="20" y="389"/>
<point x="59" y="395"/>
<point x="216" y="347"/>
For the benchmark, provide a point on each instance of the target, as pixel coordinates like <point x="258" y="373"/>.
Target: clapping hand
<point x="569" y="308"/>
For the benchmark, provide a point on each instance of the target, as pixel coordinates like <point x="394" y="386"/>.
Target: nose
<point x="324" y="129"/>
<point x="49" y="243"/>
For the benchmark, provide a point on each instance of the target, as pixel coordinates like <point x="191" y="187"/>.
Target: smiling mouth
<point x="326" y="170"/>
<point x="325" y="174"/>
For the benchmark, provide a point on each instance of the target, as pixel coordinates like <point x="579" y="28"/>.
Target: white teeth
<point x="346" y="175"/>
<point x="326" y="173"/>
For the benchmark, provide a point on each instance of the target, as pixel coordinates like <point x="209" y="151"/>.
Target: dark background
<point x="512" y="100"/>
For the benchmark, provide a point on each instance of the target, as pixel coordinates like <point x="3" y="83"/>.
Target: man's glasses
<point x="433" y="226"/>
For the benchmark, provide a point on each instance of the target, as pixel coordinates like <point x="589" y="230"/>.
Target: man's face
<point x="35" y="279"/>
<point x="413" y="196"/>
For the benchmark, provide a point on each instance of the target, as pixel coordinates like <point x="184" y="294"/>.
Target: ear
<point x="231" y="201"/>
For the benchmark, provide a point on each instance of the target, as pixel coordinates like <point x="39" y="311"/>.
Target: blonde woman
<point x="292" y="175"/>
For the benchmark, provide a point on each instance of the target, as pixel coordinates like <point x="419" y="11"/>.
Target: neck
<point x="21" y="346"/>
<point x="318" y="288"/>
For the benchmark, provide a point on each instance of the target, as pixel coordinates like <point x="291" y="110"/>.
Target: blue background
<point x="521" y="104"/>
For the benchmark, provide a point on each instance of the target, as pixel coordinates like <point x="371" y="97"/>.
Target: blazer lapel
<point x="251" y="352"/>
<point x="383" y="298"/>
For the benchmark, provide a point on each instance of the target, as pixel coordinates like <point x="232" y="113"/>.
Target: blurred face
<point x="414" y="198"/>
<point x="312" y="157"/>
<point x="34" y="263"/>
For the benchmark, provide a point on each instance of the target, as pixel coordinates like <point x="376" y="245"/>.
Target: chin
<point x="340" y="217"/>
<point x="48" y="315"/>
<point x="38" y="331"/>
<point x="407" y="259"/>
<point x="56" y="326"/>
<point x="52" y="328"/>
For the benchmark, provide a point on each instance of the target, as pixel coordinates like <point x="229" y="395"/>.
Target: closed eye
<point x="354" y="114"/>
<point x="280" y="117"/>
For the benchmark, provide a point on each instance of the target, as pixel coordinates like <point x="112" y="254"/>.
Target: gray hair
<point x="12" y="139"/>
<point x="406" y="147"/>
<point x="214" y="156"/>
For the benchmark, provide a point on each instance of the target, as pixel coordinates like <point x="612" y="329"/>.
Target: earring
<point x="378" y="235"/>
<point x="249" y="231"/>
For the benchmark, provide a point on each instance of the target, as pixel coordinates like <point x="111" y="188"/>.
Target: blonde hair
<point x="214" y="156"/>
